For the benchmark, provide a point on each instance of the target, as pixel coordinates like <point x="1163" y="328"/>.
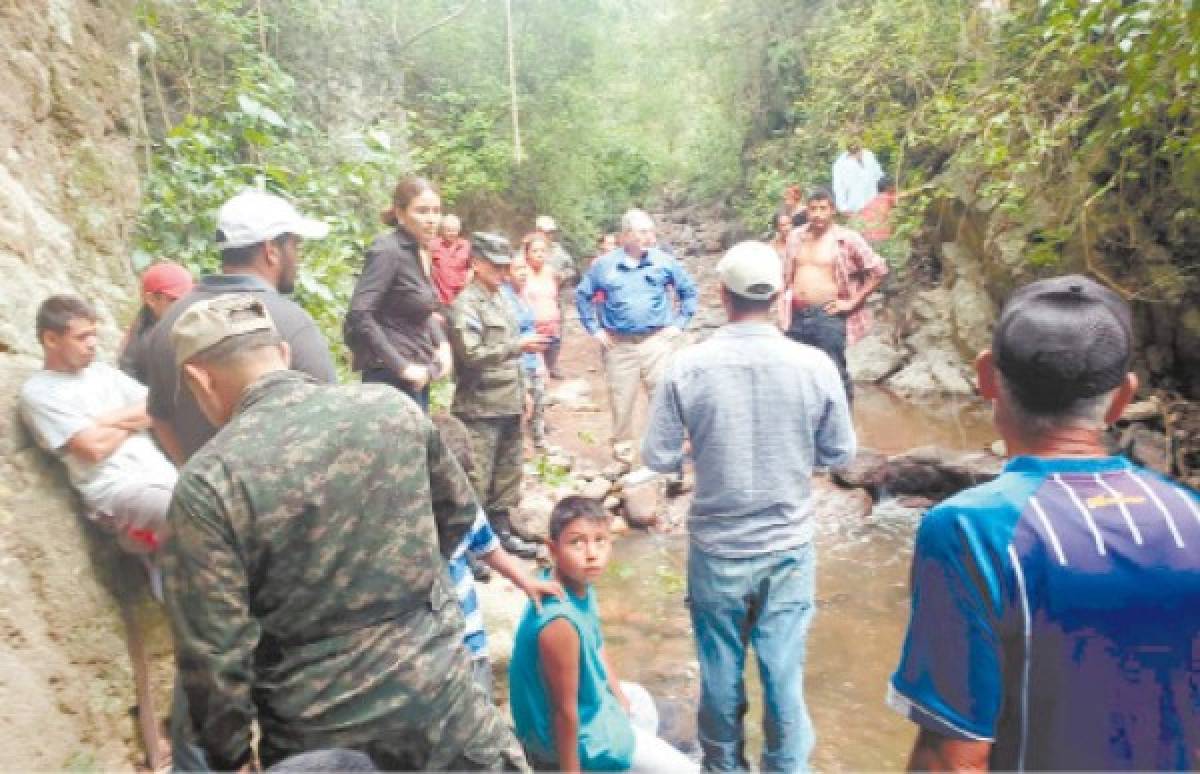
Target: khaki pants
<point x="498" y="452"/>
<point x="633" y="361"/>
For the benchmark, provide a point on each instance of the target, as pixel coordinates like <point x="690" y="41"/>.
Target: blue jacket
<point x="634" y="298"/>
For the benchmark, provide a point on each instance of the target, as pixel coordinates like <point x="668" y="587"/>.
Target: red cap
<point x="170" y="279"/>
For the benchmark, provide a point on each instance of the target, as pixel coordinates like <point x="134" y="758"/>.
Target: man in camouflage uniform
<point x="306" y="578"/>
<point x="490" y="395"/>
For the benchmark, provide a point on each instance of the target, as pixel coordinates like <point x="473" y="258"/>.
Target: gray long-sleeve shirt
<point x="760" y="411"/>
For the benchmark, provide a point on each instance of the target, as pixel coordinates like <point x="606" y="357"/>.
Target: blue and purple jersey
<point x="1056" y="614"/>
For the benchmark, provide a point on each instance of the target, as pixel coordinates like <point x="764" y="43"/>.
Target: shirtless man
<point x="829" y="272"/>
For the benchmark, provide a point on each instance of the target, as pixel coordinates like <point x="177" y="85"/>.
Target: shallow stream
<point x="862" y="600"/>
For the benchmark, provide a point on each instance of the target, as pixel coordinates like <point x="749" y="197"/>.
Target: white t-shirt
<point x="56" y="406"/>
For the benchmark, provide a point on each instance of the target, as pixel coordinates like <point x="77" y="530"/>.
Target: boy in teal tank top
<point x="570" y="711"/>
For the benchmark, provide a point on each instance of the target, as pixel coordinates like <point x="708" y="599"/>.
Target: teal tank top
<point x="605" y="733"/>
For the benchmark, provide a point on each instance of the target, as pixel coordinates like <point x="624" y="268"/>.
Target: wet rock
<point x="572" y="394"/>
<point x="936" y="473"/>
<point x="933" y="371"/>
<point x="615" y="470"/>
<point x="865" y="472"/>
<point x="596" y="489"/>
<point x="644" y="502"/>
<point x="927" y="472"/>
<point x="873" y="359"/>
<point x="560" y="460"/>
<point x="972" y="310"/>
<point x="532" y="517"/>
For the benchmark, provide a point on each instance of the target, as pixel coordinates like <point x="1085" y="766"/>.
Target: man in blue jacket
<point x="638" y="321"/>
<point x="1054" y="610"/>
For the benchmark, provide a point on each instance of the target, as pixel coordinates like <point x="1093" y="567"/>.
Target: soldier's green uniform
<point x="490" y="395"/>
<point x="307" y="586"/>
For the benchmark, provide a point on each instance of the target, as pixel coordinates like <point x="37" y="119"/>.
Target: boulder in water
<point x="873" y="359"/>
<point x="532" y="517"/>
<point x="927" y="472"/>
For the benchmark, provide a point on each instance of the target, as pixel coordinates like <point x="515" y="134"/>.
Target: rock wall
<point x="931" y="334"/>
<point x="68" y="198"/>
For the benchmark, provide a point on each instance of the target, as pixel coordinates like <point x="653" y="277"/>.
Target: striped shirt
<point x="479" y="542"/>
<point x="1056" y="614"/>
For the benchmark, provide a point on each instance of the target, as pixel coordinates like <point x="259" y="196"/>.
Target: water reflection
<point x="862" y="597"/>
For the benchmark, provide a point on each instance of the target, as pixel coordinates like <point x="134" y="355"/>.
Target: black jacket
<point x="390" y="323"/>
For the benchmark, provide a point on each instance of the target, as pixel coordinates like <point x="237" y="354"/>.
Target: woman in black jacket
<point x="392" y="327"/>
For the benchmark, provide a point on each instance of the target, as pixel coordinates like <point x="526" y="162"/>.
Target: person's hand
<point x="534" y="342"/>
<point x="536" y="588"/>
<point x="416" y="375"/>
<point x="838" y="306"/>
<point x="605" y="340"/>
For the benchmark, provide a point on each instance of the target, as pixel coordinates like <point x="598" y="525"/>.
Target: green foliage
<point x="1093" y="103"/>
<point x="329" y="103"/>
<point x="251" y="134"/>
<point x="549" y="473"/>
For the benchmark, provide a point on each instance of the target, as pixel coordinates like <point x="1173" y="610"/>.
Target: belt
<point x="812" y="310"/>
<point x="641" y="336"/>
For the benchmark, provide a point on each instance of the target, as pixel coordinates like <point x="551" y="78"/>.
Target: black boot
<point x="511" y="542"/>
<point x="481" y="571"/>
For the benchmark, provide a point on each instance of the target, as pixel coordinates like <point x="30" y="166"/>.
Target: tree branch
<point x="431" y="27"/>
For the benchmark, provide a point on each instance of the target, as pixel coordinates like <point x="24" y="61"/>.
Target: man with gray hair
<point x="760" y="411"/>
<point x="306" y="579"/>
<point x="1054" y="620"/>
<point x="638" y="321"/>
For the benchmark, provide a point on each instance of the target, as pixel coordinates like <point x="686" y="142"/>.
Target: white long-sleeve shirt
<point x="855" y="180"/>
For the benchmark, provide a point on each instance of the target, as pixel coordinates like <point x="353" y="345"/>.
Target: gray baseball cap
<point x="493" y="248"/>
<point x="1062" y="339"/>
<point x="207" y="323"/>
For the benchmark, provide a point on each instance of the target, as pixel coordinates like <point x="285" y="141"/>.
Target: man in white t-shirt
<point x="93" y="417"/>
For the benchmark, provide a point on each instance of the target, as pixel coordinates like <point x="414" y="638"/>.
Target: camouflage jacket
<point x="306" y="578"/>
<point x="487" y="355"/>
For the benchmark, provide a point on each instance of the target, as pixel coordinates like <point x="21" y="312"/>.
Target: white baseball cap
<point x="254" y="216"/>
<point x="545" y="223"/>
<point x="751" y="270"/>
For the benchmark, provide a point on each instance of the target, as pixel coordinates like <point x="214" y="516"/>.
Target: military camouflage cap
<point x="207" y="323"/>
<point x="492" y="248"/>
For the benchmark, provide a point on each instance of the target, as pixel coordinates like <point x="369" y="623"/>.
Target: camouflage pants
<point x="442" y="721"/>
<point x="498" y="451"/>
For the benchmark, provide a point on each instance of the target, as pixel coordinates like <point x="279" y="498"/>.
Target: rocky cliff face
<point x="931" y="333"/>
<point x="68" y="198"/>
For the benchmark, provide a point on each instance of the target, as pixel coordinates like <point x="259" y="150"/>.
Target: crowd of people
<point x="318" y="543"/>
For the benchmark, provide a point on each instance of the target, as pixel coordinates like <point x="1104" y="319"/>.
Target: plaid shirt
<point x="856" y="263"/>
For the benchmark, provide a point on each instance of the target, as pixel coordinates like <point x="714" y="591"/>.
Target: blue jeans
<point x="827" y="332"/>
<point x="385" y="376"/>
<point x="766" y="601"/>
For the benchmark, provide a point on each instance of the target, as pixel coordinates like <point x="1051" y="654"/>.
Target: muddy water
<point x="862" y="592"/>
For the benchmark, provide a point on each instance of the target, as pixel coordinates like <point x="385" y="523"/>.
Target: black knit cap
<point x="491" y="247"/>
<point x="1062" y="339"/>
